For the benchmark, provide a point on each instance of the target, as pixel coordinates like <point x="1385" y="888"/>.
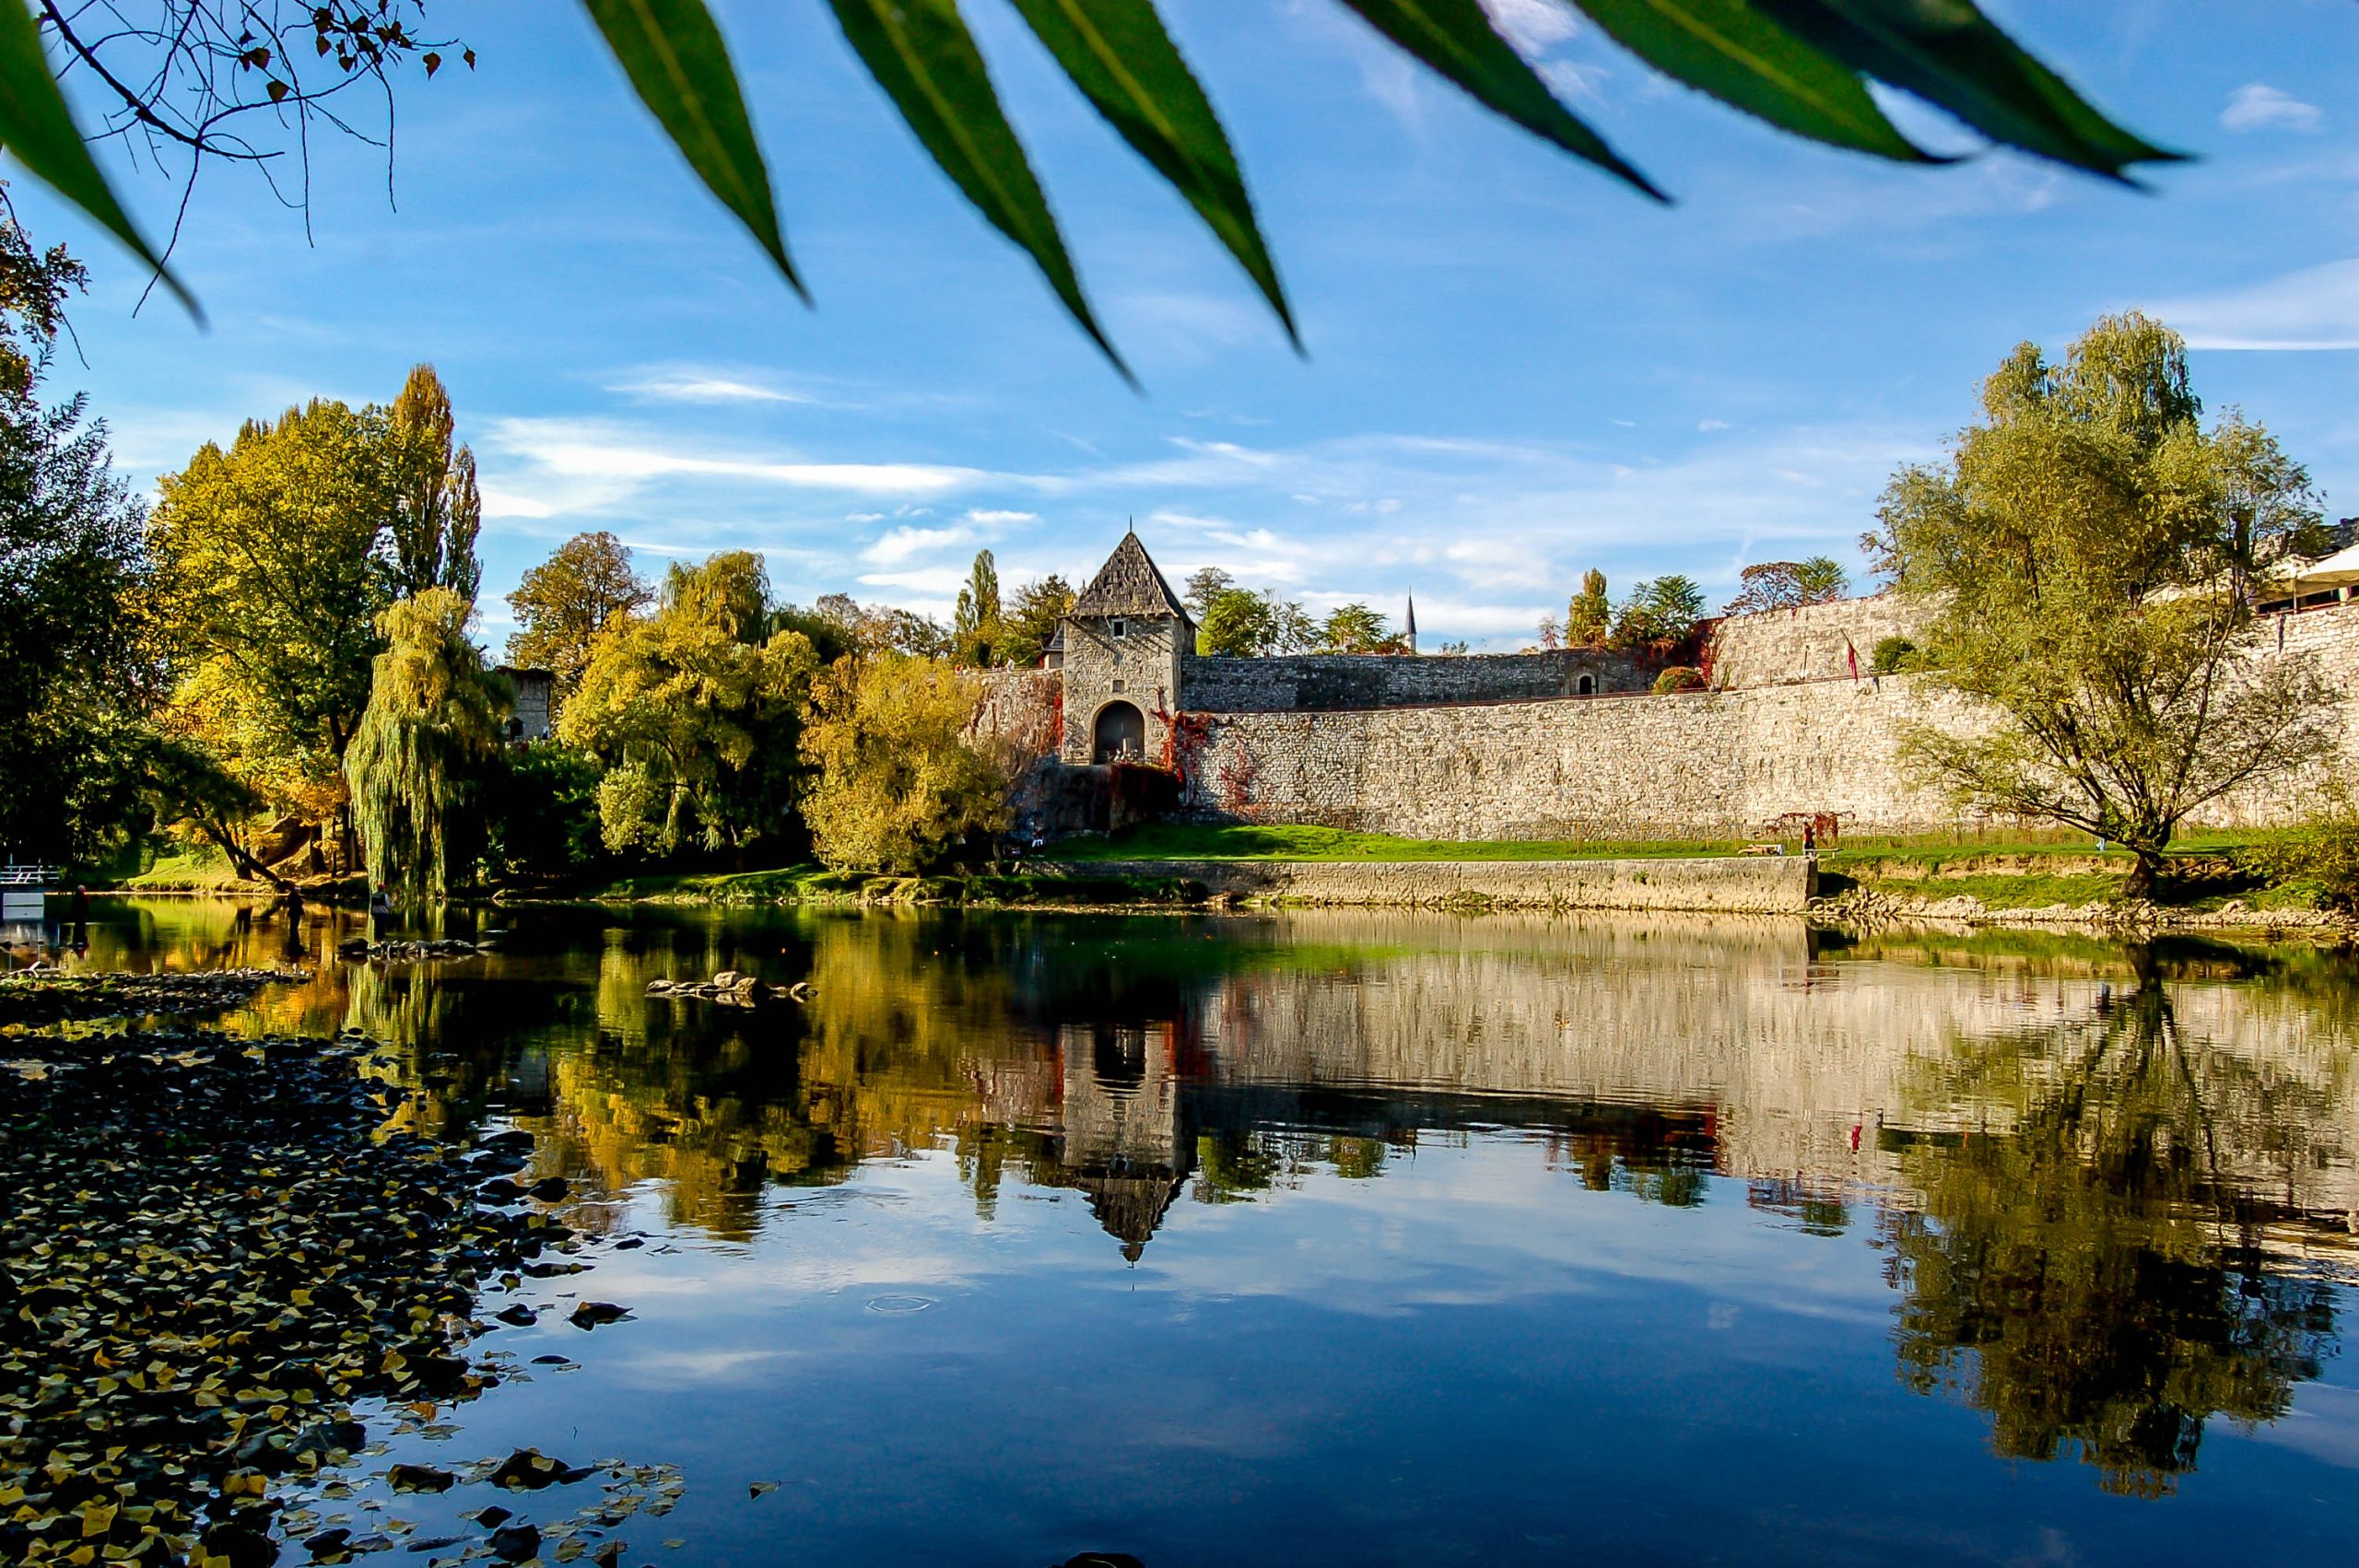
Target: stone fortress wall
<point x="1325" y="683"/>
<point x="1504" y="746"/>
<point x="1779" y="732"/>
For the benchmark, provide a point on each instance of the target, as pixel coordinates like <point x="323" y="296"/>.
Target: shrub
<point x="1896" y="656"/>
<point x="1679" y="678"/>
<point x="2319" y="860"/>
<point x="901" y="783"/>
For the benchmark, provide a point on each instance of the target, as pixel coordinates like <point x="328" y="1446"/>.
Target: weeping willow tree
<point x="428" y="737"/>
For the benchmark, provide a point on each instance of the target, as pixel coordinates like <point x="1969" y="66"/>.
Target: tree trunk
<point x="2144" y="875"/>
<point x="226" y="842"/>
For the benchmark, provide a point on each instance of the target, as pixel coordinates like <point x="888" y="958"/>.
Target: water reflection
<point x="2101" y="1274"/>
<point x="2113" y="1190"/>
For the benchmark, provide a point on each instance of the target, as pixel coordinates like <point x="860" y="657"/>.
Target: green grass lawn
<point x="1184" y="841"/>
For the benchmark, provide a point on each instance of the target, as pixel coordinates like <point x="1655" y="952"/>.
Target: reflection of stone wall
<point x="1789" y="1055"/>
<point x="1782" y="885"/>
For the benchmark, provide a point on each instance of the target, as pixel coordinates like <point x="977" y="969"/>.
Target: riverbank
<point x="217" y="1267"/>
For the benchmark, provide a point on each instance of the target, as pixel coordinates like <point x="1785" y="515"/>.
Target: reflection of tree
<point x="2090" y="1278"/>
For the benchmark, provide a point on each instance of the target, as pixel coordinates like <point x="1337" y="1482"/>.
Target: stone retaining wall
<point x="1716" y="764"/>
<point x="1768" y="884"/>
<point x="1812" y="643"/>
<point x="1322" y="682"/>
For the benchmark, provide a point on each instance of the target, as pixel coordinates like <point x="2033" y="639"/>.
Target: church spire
<point x="1412" y="624"/>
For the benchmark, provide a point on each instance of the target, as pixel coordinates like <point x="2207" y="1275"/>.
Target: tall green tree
<point x="975" y="633"/>
<point x="427" y="749"/>
<point x="1032" y="621"/>
<point x="1588" y="619"/>
<point x="1205" y="585"/>
<point x="564" y="604"/>
<point x="695" y="713"/>
<point x="273" y="587"/>
<point x="1356" y="628"/>
<point x="78" y="665"/>
<point x="2087" y="557"/>
<point x="434" y="508"/>
<point x="1243" y="622"/>
<point x="1789" y="585"/>
<point x="1660" y="614"/>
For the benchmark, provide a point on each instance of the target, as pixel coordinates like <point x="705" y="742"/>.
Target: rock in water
<point x="514" y="1543"/>
<point x="420" y="1477"/>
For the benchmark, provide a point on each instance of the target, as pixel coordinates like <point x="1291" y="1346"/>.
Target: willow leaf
<point x="1730" y="50"/>
<point x="1456" y="38"/>
<point x="1949" y="54"/>
<point x="672" y="52"/>
<point x="37" y="129"/>
<point x="922" y="54"/>
<point x="1119" y="55"/>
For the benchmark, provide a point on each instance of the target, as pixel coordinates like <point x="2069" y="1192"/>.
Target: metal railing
<point x="14" y="875"/>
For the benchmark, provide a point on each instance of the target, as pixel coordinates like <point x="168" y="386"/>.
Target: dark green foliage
<point x="1039" y="609"/>
<point x="540" y="813"/>
<point x="976" y="634"/>
<point x="1660" y="614"/>
<point x="2088" y="555"/>
<point x="1679" y="678"/>
<point x="78" y="666"/>
<point x="2319" y="861"/>
<point x="1789" y="585"/>
<point x="1896" y="656"/>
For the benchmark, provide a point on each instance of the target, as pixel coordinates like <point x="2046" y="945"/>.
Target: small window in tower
<point x="1120" y="684"/>
<point x="1121" y="628"/>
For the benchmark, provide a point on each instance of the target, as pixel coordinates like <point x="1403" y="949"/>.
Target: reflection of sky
<point x="1470" y="1358"/>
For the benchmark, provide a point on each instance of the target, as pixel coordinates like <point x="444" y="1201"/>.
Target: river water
<point x="1368" y="1239"/>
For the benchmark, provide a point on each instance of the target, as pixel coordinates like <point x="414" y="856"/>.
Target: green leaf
<point x="1456" y="38"/>
<point x="922" y="54"/>
<point x="673" y="54"/>
<point x="1949" y="54"/>
<point x="1728" y="48"/>
<point x="1119" y="55"/>
<point x="37" y="127"/>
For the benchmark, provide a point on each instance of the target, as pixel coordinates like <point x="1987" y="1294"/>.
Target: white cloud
<point x="498" y="503"/>
<point x="2316" y="307"/>
<point x="1708" y="426"/>
<point x="577" y="464"/>
<point x="903" y="543"/>
<point x="2257" y="106"/>
<point x="690" y="386"/>
<point x="991" y="517"/>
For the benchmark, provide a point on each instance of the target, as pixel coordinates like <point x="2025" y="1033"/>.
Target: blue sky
<point x="1516" y="369"/>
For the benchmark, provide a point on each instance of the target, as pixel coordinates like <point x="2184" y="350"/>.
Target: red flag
<point x="1852" y="654"/>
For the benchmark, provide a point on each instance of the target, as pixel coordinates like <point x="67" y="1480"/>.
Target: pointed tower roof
<point x="1130" y="584"/>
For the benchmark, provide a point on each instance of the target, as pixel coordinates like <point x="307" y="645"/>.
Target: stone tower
<point x="1125" y="641"/>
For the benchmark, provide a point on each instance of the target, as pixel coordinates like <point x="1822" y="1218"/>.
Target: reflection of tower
<point x="1124" y="1145"/>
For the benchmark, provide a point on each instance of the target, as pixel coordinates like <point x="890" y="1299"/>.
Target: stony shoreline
<point x="215" y="1264"/>
<point x="1871" y="907"/>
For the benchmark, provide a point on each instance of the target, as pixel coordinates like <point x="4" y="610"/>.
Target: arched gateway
<point x="1120" y="734"/>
